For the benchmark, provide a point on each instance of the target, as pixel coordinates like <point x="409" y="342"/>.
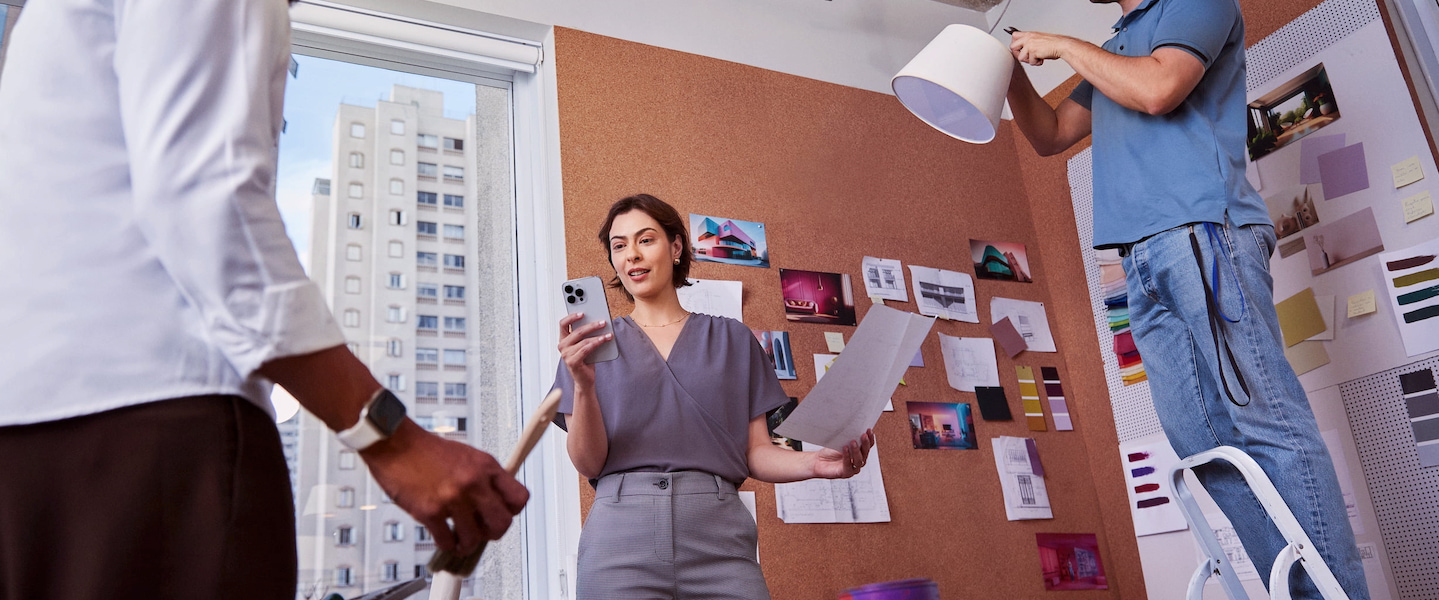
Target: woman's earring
<point x="677" y="261"/>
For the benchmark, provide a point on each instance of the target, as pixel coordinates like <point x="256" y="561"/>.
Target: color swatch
<point x="1029" y="393"/>
<point x="993" y="406"/>
<point x="1151" y="501"/>
<point x="1411" y="276"/>
<point x="1422" y="401"/>
<point x="1057" y="404"/>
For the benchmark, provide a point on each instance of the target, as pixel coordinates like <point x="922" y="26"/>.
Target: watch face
<point x="387" y="412"/>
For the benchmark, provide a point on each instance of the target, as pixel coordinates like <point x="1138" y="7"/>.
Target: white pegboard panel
<point x="1406" y="496"/>
<point x="1305" y="36"/>
<point x="1134" y="415"/>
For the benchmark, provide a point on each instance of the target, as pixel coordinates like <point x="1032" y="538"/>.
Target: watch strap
<point x="364" y="433"/>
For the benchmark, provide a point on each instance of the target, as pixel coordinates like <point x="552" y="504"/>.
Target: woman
<point x="667" y="431"/>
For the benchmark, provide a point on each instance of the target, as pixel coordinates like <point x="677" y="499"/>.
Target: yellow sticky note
<point x="1407" y="172"/>
<point x="1361" y="304"/>
<point x="1299" y="317"/>
<point x="1417" y="207"/>
<point x="877" y="300"/>
<point x="835" y="341"/>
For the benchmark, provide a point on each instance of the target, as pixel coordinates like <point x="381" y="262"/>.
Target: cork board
<point x="836" y="173"/>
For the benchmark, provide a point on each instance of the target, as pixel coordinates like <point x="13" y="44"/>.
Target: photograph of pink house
<point x="728" y="241"/>
<point x="817" y="297"/>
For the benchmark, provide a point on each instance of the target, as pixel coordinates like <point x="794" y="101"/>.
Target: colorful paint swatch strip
<point x="1422" y="400"/>
<point x="1029" y="393"/>
<point x="1057" y="405"/>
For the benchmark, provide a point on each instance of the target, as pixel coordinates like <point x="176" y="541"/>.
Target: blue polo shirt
<point x="1154" y="173"/>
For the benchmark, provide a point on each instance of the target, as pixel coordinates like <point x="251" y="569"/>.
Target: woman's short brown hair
<point x="668" y="218"/>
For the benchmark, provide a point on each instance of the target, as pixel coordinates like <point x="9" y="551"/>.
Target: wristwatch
<point x="378" y="421"/>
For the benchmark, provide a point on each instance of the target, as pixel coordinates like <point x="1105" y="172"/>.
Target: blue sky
<point x="311" y="101"/>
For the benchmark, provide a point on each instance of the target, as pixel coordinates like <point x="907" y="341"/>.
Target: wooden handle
<point x="534" y="430"/>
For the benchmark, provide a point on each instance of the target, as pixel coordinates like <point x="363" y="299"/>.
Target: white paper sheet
<point x="1028" y="318"/>
<point x="1233" y="548"/>
<point x="1025" y="496"/>
<point x="822" y="363"/>
<point x="883" y="278"/>
<point x="944" y="294"/>
<point x="1153" y="459"/>
<point x="1422" y="335"/>
<point x="1346" y="482"/>
<point x="714" y="297"/>
<point x="1326" y="311"/>
<point x="969" y="362"/>
<point x="852" y="395"/>
<point x="859" y="499"/>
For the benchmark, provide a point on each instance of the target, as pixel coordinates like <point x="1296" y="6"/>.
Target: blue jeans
<point x="1171" y="325"/>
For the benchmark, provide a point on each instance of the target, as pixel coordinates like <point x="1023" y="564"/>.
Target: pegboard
<point x="1406" y="496"/>
<point x="1304" y="37"/>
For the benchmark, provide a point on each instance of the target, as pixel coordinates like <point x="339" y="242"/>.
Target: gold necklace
<point x="686" y="316"/>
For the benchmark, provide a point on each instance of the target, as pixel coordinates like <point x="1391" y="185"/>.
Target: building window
<point x="426" y="259"/>
<point x="454" y="357"/>
<point x="454" y="232"/>
<point x="428" y="198"/>
<point x="427" y="322"/>
<point x="395" y="382"/>
<point x="427" y="290"/>
<point x="425" y="423"/>
<point x="357" y="160"/>
<point x="354" y="348"/>
<point x="395" y="314"/>
<point x="454" y="173"/>
<point x="357" y="130"/>
<point x="352" y="317"/>
<point x="391" y="570"/>
<point x="352" y="285"/>
<point x="344" y="535"/>
<point x="397" y="127"/>
<point x="394" y="532"/>
<point x="454" y="144"/>
<point x="456" y="390"/>
<point x="357" y="190"/>
<point x="454" y="201"/>
<point x="454" y="261"/>
<point x="421" y="571"/>
<point x="422" y="535"/>
<point x="427" y="141"/>
<point x="426" y="228"/>
<point x="428" y="169"/>
<point x="347" y="498"/>
<point x="455" y="324"/>
<point x="398" y="217"/>
<point x="397" y="187"/>
<point x="397" y="157"/>
<point x="355" y="221"/>
<point x="397" y="281"/>
<point x="394" y="347"/>
<point x="427" y="356"/>
<point x="352" y="252"/>
<point x="427" y="389"/>
<point x="454" y="292"/>
<point x="343" y="575"/>
<point x="347" y="460"/>
<point x="397" y="249"/>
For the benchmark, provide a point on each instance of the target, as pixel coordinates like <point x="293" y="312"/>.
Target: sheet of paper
<point x="944" y="294"/>
<point x="1411" y="280"/>
<point x="834" y="340"/>
<point x="1343" y="171"/>
<point x="1233" y="548"/>
<point x="822" y="363"/>
<point x="1307" y="356"/>
<point x="852" y="394"/>
<point x="1346" y="481"/>
<point x="1407" y="171"/>
<point x="883" y="279"/>
<point x="1326" y="311"/>
<point x="1299" y="317"/>
<point x="1309" y="150"/>
<point x="918" y="359"/>
<point x="1008" y="337"/>
<point x="1418" y="206"/>
<point x="859" y="499"/>
<point x="1361" y="304"/>
<point x="1152" y="501"/>
<point x="1025" y="496"/>
<point x="1028" y="317"/>
<point x="714" y="297"/>
<point x="969" y="362"/>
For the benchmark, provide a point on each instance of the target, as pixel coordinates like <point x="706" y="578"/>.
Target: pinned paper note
<point x="1361" y="304"/>
<point x="1407" y="172"/>
<point x="1299" y="317"/>
<point x="1344" y="171"/>
<point x="835" y="341"/>
<point x="1417" y="207"/>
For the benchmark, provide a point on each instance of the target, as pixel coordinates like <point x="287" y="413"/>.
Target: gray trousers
<point x="671" y="536"/>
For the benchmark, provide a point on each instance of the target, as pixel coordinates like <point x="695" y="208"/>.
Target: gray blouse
<point x="690" y="413"/>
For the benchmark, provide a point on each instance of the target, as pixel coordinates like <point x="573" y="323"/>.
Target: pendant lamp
<point x="957" y="84"/>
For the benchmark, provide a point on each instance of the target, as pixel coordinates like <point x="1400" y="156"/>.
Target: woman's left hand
<point x="845" y="462"/>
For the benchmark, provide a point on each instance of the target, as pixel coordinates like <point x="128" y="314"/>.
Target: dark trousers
<point x="185" y="498"/>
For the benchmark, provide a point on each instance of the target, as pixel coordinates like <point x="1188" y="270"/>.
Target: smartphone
<point x="587" y="295"/>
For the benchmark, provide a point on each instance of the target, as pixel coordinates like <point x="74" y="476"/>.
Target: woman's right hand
<point x="575" y="347"/>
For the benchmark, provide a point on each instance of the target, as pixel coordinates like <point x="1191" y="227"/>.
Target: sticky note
<point x="877" y="300"/>
<point x="1417" y="207"/>
<point x="1407" y="172"/>
<point x="1343" y="171"/>
<point x="1008" y="337"/>
<point x="1299" y="317"/>
<point x="835" y="341"/>
<point x="1361" y="304"/>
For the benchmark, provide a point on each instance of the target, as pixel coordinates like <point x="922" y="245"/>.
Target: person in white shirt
<point x="150" y="295"/>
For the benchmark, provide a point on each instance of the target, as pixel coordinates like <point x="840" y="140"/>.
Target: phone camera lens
<point x="580" y="293"/>
<point x="570" y="299"/>
<point x="569" y="289"/>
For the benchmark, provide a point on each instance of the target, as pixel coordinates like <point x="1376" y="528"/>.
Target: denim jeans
<point x="1171" y="324"/>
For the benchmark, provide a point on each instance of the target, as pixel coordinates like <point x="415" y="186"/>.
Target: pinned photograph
<point x="817" y="297"/>
<point x="941" y="426"/>
<point x="773" y="419"/>
<point x="1005" y="261"/>
<point x="776" y="347"/>
<point x="944" y="294"/>
<point x="1070" y="561"/>
<point x="1344" y="241"/>
<point x="1293" y="209"/>
<point x="1296" y="108"/>
<point x="728" y="241"/>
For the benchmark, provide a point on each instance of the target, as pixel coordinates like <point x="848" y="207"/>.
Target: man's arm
<point x="1049" y="130"/>
<point x="1154" y="84"/>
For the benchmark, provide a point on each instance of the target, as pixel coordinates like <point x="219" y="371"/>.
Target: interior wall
<point x="836" y="173"/>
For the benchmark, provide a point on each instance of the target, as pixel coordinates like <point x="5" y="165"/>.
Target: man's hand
<point x="435" y="479"/>
<point x="1033" y="47"/>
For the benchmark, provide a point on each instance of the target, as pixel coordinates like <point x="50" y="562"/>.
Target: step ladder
<point x="1300" y="549"/>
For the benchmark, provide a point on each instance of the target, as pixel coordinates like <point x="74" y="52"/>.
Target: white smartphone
<point x="587" y="295"/>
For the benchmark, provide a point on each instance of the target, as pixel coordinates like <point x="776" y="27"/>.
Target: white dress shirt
<point x="142" y="256"/>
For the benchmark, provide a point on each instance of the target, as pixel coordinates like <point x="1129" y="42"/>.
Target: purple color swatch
<point x="1344" y="171"/>
<point x="1309" y="150"/>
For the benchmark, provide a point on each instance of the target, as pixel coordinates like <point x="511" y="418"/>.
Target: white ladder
<point x="1300" y="549"/>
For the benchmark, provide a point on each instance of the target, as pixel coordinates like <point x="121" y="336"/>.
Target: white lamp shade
<point x="958" y="82"/>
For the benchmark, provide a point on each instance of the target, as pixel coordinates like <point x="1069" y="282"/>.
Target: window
<point x="395" y="382"/>
<point x="428" y="169"/>
<point x="394" y="532"/>
<point x="347" y="459"/>
<point x="428" y="198"/>
<point x="352" y="317"/>
<point x="397" y="249"/>
<point x="421" y="571"/>
<point x="352" y="252"/>
<point x="425" y="423"/>
<point x="427" y="290"/>
<point x="397" y="187"/>
<point x="354" y="220"/>
<point x="454" y="357"/>
<point x="398" y="217"/>
<point x="395" y="314"/>
<point x="391" y="570"/>
<point x="454" y="201"/>
<point x="357" y="190"/>
<point x="460" y="424"/>
<point x="397" y="281"/>
<point x="454" y="232"/>
<point x="426" y="259"/>
<point x="454" y="261"/>
<point x="454" y="144"/>
<point x="346" y="498"/>
<point x="394" y="347"/>
<point x="397" y="127"/>
<point x="422" y="535"/>
<point x="343" y="575"/>
<point x="456" y="390"/>
<point x="344" y="535"/>
<point x="454" y="173"/>
<point x="454" y="292"/>
<point x="397" y="157"/>
<point x="427" y="141"/>
<point x="352" y="285"/>
<point x="427" y="322"/>
<point x="454" y="323"/>
<point x="357" y="160"/>
<point x="354" y="348"/>
<point x="357" y="130"/>
<point x="427" y="389"/>
<point x="426" y="228"/>
<point x="427" y="355"/>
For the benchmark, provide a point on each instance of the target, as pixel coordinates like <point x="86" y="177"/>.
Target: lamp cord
<point x="1002" y="11"/>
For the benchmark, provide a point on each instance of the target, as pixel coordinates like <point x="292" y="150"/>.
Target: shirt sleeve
<point x="566" y="385"/>
<point x="1083" y="95"/>
<point x="201" y="86"/>
<point x="765" y="393"/>
<point x="1199" y="27"/>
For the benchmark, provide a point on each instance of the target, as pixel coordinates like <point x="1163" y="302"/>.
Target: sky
<point x="311" y="100"/>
